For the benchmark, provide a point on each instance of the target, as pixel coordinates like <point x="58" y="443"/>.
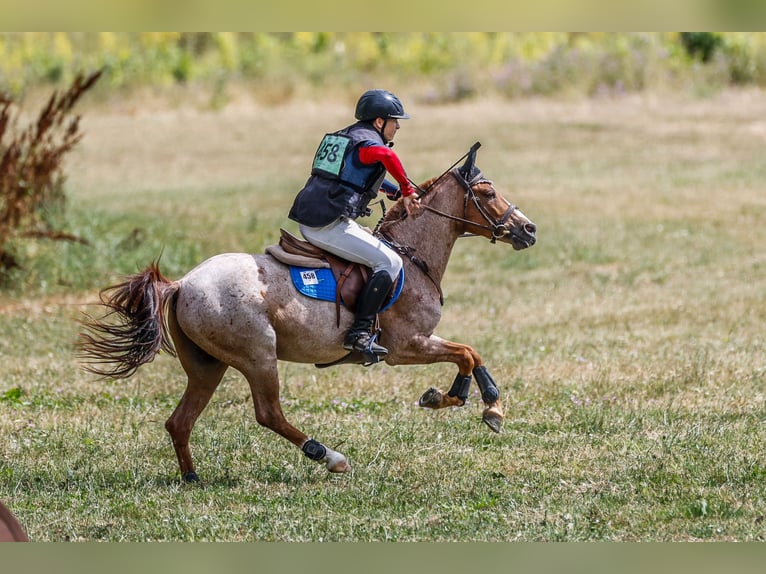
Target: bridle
<point x="498" y="227"/>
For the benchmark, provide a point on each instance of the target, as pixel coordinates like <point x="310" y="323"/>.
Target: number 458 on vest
<point x="328" y="160"/>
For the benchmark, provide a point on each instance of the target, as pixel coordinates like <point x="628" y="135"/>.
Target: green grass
<point x="627" y="344"/>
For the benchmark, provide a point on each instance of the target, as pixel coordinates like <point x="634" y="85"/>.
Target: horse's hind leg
<point x="204" y="374"/>
<point x="263" y="378"/>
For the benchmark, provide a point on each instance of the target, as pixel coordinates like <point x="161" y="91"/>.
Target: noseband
<point x="498" y="227"/>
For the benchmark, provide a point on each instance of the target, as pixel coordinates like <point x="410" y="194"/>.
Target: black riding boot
<point x="371" y="299"/>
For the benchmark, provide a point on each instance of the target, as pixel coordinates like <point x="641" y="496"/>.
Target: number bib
<point x="309" y="277"/>
<point x="329" y="157"/>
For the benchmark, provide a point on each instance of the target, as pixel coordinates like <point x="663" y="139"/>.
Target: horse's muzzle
<point x="522" y="237"/>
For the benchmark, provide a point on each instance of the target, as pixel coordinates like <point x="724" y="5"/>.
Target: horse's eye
<point x="491" y="195"/>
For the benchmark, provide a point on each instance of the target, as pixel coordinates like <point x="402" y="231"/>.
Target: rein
<point x="498" y="228"/>
<point x="431" y="185"/>
<point x="406" y="251"/>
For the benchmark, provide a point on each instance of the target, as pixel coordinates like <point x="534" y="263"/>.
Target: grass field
<point x="628" y="344"/>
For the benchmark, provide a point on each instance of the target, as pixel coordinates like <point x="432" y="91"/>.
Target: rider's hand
<point x="411" y="203"/>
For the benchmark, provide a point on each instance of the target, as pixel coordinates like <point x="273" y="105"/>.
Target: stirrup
<point x="367" y="345"/>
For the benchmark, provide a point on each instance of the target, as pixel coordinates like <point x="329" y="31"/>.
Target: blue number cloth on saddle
<point x="320" y="284"/>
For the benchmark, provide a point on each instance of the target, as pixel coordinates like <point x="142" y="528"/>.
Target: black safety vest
<point x="339" y="183"/>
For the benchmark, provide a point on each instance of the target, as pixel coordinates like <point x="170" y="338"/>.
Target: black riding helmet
<point x="379" y="104"/>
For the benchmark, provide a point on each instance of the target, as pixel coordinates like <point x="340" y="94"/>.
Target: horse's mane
<point x="396" y="211"/>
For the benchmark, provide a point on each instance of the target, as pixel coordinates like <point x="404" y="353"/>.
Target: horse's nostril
<point x="530" y="228"/>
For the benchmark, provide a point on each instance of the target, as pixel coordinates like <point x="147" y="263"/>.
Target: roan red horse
<point x="242" y="310"/>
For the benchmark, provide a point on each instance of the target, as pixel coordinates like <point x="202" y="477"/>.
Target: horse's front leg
<point x="493" y="413"/>
<point x="433" y="349"/>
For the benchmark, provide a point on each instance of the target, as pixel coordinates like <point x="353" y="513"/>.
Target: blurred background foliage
<point x="435" y="67"/>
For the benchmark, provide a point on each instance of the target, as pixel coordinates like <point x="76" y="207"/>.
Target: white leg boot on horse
<point x="360" y="337"/>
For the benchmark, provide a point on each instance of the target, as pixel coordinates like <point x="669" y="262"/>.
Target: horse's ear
<point x="469" y="168"/>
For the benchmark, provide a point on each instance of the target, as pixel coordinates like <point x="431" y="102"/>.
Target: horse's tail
<point x="133" y="330"/>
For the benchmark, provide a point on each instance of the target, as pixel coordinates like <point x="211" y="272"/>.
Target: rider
<point x="349" y="169"/>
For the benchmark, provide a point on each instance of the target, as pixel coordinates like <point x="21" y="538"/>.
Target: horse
<point x="10" y="528"/>
<point x="241" y="310"/>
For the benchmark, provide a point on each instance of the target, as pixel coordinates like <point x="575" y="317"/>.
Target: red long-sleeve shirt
<point x="390" y="161"/>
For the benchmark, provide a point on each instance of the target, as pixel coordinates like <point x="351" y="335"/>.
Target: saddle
<point x="350" y="277"/>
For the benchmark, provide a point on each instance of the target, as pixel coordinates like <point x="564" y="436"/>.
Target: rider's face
<point x="389" y="128"/>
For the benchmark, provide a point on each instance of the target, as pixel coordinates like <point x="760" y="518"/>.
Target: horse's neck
<point x="429" y="235"/>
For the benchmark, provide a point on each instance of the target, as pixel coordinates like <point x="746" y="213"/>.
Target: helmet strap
<point x="381" y="130"/>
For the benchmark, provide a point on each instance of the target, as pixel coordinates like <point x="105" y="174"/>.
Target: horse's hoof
<point x="493" y="420"/>
<point x="431" y="399"/>
<point x="190" y="477"/>
<point x="337" y="463"/>
<point x="340" y="467"/>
